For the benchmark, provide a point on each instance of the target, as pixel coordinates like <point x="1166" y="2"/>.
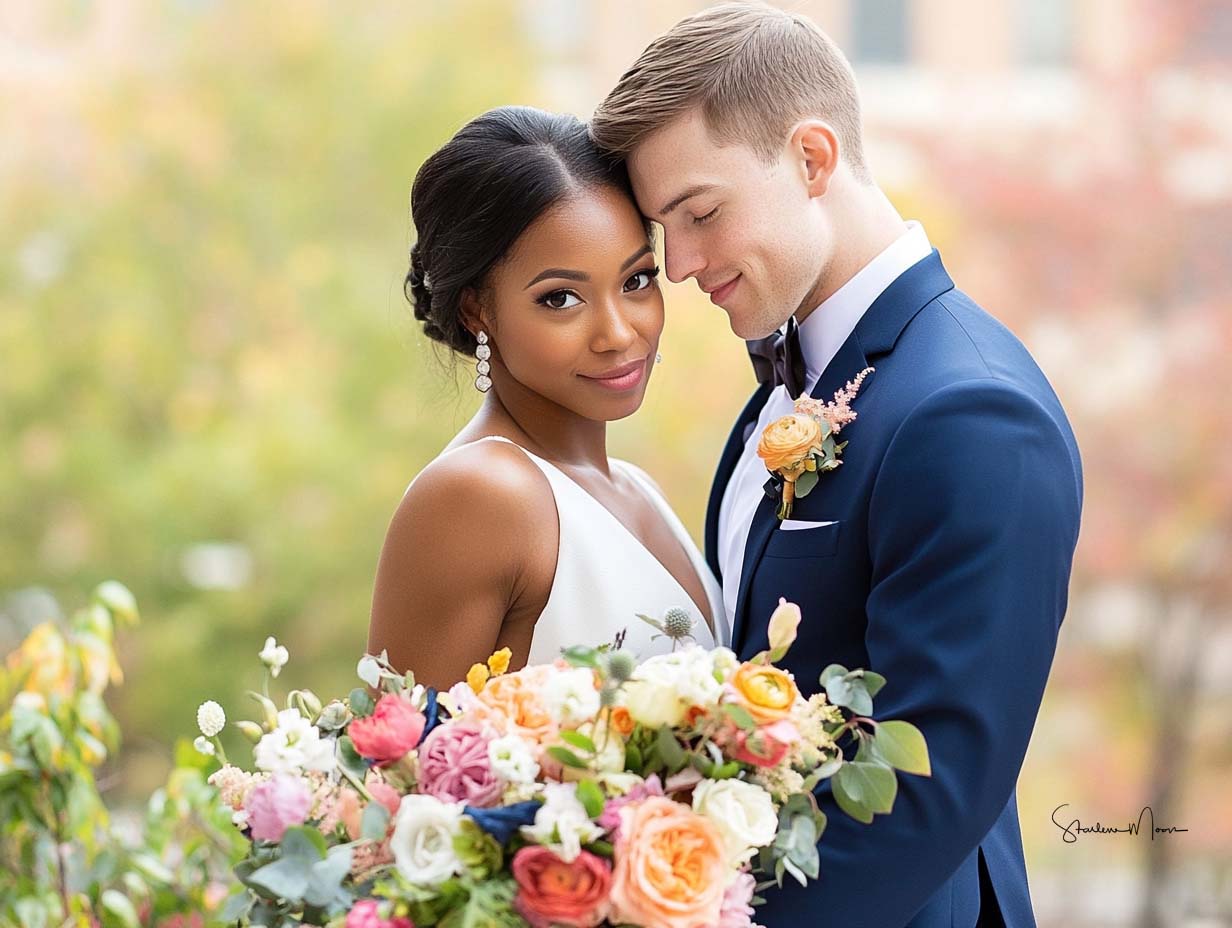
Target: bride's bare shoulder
<point x="488" y="483"/>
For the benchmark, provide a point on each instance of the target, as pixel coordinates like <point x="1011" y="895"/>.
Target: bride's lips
<point x="619" y="379"/>
<point x="718" y="295"/>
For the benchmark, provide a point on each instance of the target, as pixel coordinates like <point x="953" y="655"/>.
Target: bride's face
<point x="576" y="309"/>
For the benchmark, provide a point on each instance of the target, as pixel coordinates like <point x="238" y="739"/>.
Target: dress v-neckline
<point x="707" y="619"/>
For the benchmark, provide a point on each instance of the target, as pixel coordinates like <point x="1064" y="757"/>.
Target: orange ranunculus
<point x="766" y="691"/>
<point x="788" y="441"/>
<point x="621" y="721"/>
<point x="671" y="869"/>
<point x="513" y="704"/>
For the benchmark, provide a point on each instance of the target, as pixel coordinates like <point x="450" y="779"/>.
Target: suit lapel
<point x="727" y="464"/>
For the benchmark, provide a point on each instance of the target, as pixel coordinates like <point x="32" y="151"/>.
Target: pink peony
<point x="454" y="766"/>
<point x="276" y="805"/>
<point x="390" y="733"/>
<point x="737" y="908"/>
<point x="366" y="913"/>
<point x="552" y="892"/>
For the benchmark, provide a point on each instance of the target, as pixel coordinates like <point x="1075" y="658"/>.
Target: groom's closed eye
<point x="702" y="220"/>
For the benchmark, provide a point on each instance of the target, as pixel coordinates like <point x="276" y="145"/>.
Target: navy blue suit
<point x="956" y="513"/>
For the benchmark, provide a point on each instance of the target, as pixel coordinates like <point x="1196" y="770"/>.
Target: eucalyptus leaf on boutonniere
<point x="799" y="447"/>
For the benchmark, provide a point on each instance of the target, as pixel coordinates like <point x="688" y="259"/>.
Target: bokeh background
<point x="212" y="389"/>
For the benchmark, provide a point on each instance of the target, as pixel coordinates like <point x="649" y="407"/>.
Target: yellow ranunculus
<point x="767" y="692"/>
<point x="498" y="663"/>
<point x="787" y="442"/>
<point x="476" y="677"/>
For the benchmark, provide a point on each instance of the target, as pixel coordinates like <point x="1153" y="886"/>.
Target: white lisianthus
<point x="204" y="745"/>
<point x="210" y="718"/>
<point x="743" y="812"/>
<point x="295" y="745"/>
<point x="369" y="670"/>
<point x="562" y="823"/>
<point x="274" y="656"/>
<point x="512" y="759"/>
<point x="422" y="842"/>
<point x="663" y="688"/>
<point x="725" y="662"/>
<point x="570" y="696"/>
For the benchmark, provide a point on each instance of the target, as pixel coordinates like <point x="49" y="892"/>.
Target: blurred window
<point x="879" y="30"/>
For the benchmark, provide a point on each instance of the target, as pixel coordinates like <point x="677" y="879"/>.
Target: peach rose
<point x="766" y="691"/>
<point x="513" y="704"/>
<point x="787" y="442"/>
<point x="671" y="867"/>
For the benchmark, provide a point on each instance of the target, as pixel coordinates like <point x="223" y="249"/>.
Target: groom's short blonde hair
<point x="753" y="70"/>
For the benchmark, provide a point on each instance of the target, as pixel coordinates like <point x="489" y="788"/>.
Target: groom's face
<point x="749" y="233"/>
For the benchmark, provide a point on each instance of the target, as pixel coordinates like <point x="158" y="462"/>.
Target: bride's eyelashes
<point x="557" y="299"/>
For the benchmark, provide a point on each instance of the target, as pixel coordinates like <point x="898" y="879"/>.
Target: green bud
<point x="250" y="730"/>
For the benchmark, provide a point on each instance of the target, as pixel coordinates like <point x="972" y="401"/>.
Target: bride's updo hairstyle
<point x="478" y="193"/>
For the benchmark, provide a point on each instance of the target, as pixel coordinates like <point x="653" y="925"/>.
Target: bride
<point x="531" y="256"/>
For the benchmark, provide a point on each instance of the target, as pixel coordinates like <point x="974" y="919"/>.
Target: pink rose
<point x="276" y="805"/>
<point x="390" y="733"/>
<point x="552" y="892"/>
<point x="454" y="766"/>
<point x="737" y="908"/>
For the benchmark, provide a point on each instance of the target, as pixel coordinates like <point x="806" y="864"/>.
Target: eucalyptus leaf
<point x="361" y="703"/>
<point x="326" y="876"/>
<point x="670" y="749"/>
<point x="873" y="682"/>
<point x="375" y="822"/>
<point x="805" y="483"/>
<point x="871" y="784"/>
<point x="578" y="740"/>
<point x="740" y="716"/>
<point x="901" y="745"/>
<point x="831" y="671"/>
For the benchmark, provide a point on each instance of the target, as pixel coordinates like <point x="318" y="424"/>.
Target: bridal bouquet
<point x="596" y="790"/>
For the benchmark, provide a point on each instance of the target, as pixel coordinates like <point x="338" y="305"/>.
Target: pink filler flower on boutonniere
<point x="800" y="446"/>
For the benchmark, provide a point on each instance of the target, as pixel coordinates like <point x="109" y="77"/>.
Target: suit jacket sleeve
<point x="973" y="520"/>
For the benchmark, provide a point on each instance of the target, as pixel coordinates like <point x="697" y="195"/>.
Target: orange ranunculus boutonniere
<point x="798" y="447"/>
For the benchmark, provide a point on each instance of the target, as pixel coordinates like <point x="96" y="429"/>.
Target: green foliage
<point x="62" y="860"/>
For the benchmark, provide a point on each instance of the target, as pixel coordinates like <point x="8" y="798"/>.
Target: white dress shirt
<point x="822" y="333"/>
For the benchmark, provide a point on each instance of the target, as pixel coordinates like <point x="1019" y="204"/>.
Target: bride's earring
<point x="483" y="383"/>
<point x="658" y="358"/>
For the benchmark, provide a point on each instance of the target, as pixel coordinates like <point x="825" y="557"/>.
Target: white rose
<point x="295" y="745"/>
<point x="562" y="823"/>
<point x="422" y="842"/>
<point x="664" y="687"/>
<point x="512" y="759"/>
<point x="743" y="812"/>
<point x="570" y="696"/>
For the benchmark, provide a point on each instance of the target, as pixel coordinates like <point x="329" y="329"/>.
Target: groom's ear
<point x="814" y="148"/>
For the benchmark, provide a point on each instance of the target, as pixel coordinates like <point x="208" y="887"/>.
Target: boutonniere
<point x="799" y="447"/>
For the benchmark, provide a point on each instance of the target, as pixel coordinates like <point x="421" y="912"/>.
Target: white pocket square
<point x="796" y="525"/>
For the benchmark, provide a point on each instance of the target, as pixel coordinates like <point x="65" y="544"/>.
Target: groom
<point x="939" y="553"/>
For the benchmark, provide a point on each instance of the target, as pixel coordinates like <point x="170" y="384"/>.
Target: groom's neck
<point x="863" y="224"/>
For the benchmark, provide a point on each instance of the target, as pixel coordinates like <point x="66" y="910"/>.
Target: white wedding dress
<point x="605" y="576"/>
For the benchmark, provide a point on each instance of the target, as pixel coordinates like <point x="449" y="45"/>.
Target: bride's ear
<point x="471" y="312"/>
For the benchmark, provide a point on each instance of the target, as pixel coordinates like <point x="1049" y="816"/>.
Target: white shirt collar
<point x="825" y="329"/>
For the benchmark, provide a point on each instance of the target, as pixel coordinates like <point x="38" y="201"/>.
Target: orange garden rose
<point x="671" y="867"/>
<point x="513" y="704"/>
<point x="766" y="691"/>
<point x="787" y="442"/>
<point x="553" y="892"/>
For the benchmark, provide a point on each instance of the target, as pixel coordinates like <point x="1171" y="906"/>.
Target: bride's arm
<point x="467" y="564"/>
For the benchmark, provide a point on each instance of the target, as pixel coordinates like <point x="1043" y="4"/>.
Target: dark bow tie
<point x="777" y="359"/>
